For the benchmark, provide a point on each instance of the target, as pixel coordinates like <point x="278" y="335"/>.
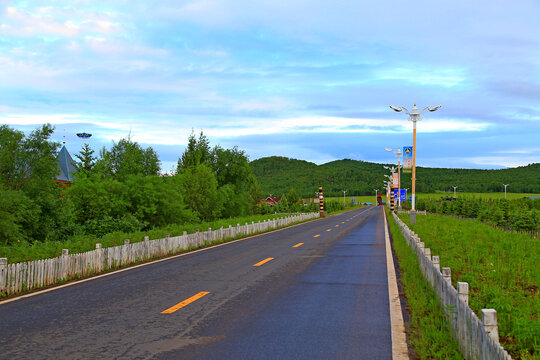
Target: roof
<point x="66" y="164"/>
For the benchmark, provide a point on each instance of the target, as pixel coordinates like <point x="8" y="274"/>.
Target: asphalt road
<point x="319" y="292"/>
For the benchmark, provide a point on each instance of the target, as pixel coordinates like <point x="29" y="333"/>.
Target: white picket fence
<point x="478" y="339"/>
<point x="21" y="277"/>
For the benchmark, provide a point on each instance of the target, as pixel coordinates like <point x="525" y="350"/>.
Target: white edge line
<point x="141" y="265"/>
<point x="399" y="338"/>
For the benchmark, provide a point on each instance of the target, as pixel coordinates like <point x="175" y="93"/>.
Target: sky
<point x="310" y="80"/>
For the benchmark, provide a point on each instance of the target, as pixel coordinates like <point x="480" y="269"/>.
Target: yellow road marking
<point x="317" y="235"/>
<point x="185" y="302"/>
<point x="343" y="222"/>
<point x="337" y="225"/>
<point x="299" y="244"/>
<point x="263" y="262"/>
<point x="328" y="229"/>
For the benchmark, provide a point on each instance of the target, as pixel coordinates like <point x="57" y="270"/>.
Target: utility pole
<point x="344" y="191"/>
<point x="505" y="185"/>
<point x="455" y="187"/>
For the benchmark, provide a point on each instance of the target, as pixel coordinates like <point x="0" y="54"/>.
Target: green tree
<point x="293" y="200"/>
<point x="200" y="192"/>
<point x="25" y="159"/>
<point x="127" y="157"/>
<point x="231" y="166"/>
<point x="197" y="152"/>
<point x="86" y="158"/>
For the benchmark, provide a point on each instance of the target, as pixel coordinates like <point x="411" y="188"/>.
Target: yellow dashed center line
<point x="328" y="229"/>
<point x="299" y="244"/>
<point x="185" y="302"/>
<point x="263" y="262"/>
<point x="337" y="225"/>
<point x="317" y="235"/>
<point x="343" y="222"/>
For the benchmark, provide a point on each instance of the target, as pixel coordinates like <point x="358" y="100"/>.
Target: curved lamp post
<point x="414" y="116"/>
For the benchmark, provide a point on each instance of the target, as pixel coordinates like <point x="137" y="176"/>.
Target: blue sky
<point x="310" y="80"/>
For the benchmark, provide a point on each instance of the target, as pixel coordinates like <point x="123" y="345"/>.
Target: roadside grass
<point x="25" y="251"/>
<point x="429" y="333"/>
<point x="494" y="195"/>
<point x="502" y="270"/>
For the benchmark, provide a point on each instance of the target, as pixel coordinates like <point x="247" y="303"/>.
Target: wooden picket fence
<point x="26" y="276"/>
<point x="478" y="339"/>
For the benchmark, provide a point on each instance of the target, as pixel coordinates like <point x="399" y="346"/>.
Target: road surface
<point x="318" y="290"/>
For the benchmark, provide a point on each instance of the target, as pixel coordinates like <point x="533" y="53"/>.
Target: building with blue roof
<point x="66" y="165"/>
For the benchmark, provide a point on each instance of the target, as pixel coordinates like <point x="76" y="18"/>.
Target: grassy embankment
<point x="502" y="271"/>
<point x="494" y="196"/>
<point x="428" y="332"/>
<point x="24" y="251"/>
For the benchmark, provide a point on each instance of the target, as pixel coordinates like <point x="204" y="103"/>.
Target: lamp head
<point x="433" y="108"/>
<point x="396" y="108"/>
<point x="388" y="149"/>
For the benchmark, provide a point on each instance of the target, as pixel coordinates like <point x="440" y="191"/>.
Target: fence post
<point x="437" y="262"/>
<point x="126" y="241"/>
<point x="463" y="291"/>
<point x="427" y="253"/>
<point x="489" y="320"/>
<point x="3" y="271"/>
<point x="64" y="265"/>
<point x="447" y="275"/>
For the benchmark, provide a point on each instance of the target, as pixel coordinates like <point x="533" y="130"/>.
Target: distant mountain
<point x="277" y="175"/>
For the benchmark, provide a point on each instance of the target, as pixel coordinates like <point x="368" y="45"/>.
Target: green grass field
<point x="495" y="196"/>
<point x="502" y="271"/>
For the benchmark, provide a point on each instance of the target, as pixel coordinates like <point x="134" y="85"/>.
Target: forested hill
<point x="277" y="175"/>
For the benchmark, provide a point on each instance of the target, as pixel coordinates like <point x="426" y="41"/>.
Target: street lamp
<point x="414" y="116"/>
<point x="84" y="136"/>
<point x="398" y="153"/>
<point x="505" y="185"/>
<point x="344" y="191"/>
<point x="376" y="200"/>
<point x="455" y="187"/>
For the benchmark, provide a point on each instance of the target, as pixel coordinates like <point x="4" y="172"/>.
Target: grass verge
<point x="25" y="251"/>
<point x="429" y="333"/>
<point x="502" y="271"/>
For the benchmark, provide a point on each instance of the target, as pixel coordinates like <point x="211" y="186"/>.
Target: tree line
<point x="121" y="189"/>
<point x="279" y="174"/>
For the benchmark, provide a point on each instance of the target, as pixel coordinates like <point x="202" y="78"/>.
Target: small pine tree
<point x="86" y="158"/>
